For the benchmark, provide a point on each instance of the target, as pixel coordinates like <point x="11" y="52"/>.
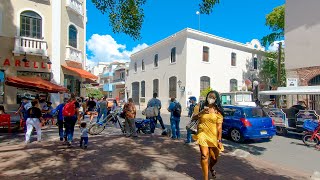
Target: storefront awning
<point x="34" y="83"/>
<point x="82" y="73"/>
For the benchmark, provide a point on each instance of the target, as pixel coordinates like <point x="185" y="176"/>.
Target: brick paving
<point x="113" y="156"/>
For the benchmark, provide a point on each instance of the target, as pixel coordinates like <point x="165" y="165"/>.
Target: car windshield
<point x="254" y="113"/>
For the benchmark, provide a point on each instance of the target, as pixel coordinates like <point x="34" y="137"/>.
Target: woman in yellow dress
<point x="210" y="116"/>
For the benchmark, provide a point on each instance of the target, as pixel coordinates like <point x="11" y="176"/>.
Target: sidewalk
<point x="112" y="156"/>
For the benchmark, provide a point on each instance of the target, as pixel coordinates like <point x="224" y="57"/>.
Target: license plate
<point x="263" y="132"/>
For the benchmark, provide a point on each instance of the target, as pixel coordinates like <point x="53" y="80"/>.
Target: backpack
<point x="177" y="110"/>
<point x="69" y="109"/>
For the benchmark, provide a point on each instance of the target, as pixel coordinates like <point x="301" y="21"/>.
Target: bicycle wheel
<point x="96" y="129"/>
<point x="308" y="141"/>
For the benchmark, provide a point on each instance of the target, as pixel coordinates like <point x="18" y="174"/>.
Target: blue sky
<point x="233" y="19"/>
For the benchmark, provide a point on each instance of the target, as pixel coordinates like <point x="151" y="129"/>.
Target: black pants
<point x="85" y="139"/>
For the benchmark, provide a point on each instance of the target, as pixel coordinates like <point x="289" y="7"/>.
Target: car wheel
<point x="236" y="136"/>
<point x="281" y="131"/>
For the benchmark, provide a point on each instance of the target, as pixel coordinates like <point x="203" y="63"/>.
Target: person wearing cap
<point x="193" y="103"/>
<point x="60" y="122"/>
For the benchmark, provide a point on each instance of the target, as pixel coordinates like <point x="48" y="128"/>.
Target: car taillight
<point x="245" y="122"/>
<point x="272" y="122"/>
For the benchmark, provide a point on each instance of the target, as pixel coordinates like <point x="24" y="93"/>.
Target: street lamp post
<point x="198" y="13"/>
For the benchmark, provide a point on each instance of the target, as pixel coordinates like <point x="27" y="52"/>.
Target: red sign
<point x="28" y="64"/>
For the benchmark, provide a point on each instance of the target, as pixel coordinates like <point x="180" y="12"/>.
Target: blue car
<point x="245" y="122"/>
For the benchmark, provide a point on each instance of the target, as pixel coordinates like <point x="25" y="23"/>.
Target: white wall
<point x="302" y="34"/>
<point x="164" y="70"/>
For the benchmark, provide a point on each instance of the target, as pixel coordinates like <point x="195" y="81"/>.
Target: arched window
<point x="315" y="81"/>
<point x="173" y="86"/>
<point x="135" y="67"/>
<point x="73" y="33"/>
<point x="204" y="82"/>
<point x="255" y="63"/>
<point x="143" y="89"/>
<point x="142" y="65"/>
<point x="155" y="60"/>
<point x="205" y="54"/>
<point x="30" y="24"/>
<point x="314" y="100"/>
<point x="156" y="86"/>
<point x="233" y="85"/>
<point x="135" y="92"/>
<point x="173" y="55"/>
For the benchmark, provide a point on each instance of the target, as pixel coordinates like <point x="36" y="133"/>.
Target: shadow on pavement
<point x="118" y="157"/>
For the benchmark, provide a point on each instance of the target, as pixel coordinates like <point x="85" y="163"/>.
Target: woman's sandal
<point x="213" y="173"/>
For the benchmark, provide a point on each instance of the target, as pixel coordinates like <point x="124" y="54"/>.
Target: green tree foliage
<point x="269" y="67"/>
<point x="275" y="21"/>
<point x="92" y="92"/>
<point x="204" y="92"/>
<point x="126" y="16"/>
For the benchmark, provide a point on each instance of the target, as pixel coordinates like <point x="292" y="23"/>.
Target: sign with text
<point x="292" y="82"/>
<point x="32" y="65"/>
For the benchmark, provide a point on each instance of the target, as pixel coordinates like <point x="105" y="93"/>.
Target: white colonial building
<point x="189" y="61"/>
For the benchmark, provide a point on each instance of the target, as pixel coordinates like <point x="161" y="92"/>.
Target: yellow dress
<point x="207" y="129"/>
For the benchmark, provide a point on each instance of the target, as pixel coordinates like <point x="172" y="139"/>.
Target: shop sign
<point x="28" y="64"/>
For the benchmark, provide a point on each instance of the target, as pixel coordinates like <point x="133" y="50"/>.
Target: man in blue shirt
<point x="154" y="102"/>
<point x="175" y="109"/>
<point x="60" y="119"/>
<point x="25" y="105"/>
<point x="193" y="103"/>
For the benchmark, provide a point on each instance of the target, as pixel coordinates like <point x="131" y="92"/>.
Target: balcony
<point x="73" y="54"/>
<point x="31" y="46"/>
<point x="118" y="81"/>
<point x="75" y="6"/>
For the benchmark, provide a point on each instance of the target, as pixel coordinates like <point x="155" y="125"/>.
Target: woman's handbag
<point x="193" y="126"/>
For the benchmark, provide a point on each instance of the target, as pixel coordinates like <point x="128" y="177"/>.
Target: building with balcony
<point x="189" y="61"/>
<point x="111" y="78"/>
<point x="43" y="38"/>
<point x="302" y="37"/>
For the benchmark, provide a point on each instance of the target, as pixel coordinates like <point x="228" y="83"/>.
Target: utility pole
<point x="279" y="71"/>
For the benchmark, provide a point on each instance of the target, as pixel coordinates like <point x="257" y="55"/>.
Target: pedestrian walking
<point x="209" y="134"/>
<point x="103" y="109"/>
<point x="34" y="116"/>
<point x="60" y="120"/>
<point x="130" y="112"/>
<point x="71" y="115"/>
<point x="84" y="135"/>
<point x="91" y="104"/>
<point x="156" y="103"/>
<point x="175" y="110"/>
<point x="193" y="103"/>
<point x="23" y="109"/>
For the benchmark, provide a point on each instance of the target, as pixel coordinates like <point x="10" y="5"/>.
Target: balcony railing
<point x="75" y="5"/>
<point x="30" y="46"/>
<point x="119" y="81"/>
<point x="73" y="54"/>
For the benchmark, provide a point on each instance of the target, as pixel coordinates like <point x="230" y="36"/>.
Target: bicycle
<point x="112" y="118"/>
<point x="312" y="135"/>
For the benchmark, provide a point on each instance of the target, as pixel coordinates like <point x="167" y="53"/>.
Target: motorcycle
<point x="312" y="136"/>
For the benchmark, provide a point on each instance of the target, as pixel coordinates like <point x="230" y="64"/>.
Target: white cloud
<point x="274" y="46"/>
<point x="105" y="49"/>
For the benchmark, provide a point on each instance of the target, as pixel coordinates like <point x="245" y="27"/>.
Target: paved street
<point x="112" y="156"/>
<point x="283" y="151"/>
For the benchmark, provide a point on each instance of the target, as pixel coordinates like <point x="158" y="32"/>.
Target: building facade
<point x="44" y="38"/>
<point x="184" y="64"/>
<point x="111" y="78"/>
<point x="302" y="36"/>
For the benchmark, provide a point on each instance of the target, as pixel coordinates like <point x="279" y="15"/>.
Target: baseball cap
<point x="193" y="98"/>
